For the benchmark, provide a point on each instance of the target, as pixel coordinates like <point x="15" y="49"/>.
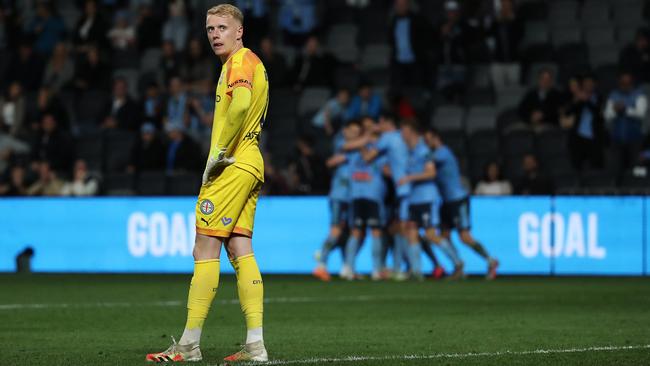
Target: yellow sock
<point x="203" y="289"/>
<point x="250" y="289"/>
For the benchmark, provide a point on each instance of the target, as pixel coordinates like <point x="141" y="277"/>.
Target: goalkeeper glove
<point x="216" y="161"/>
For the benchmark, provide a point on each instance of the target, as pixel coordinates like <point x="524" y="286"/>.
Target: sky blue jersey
<point x="423" y="191"/>
<point x="366" y="180"/>
<point x="340" y="184"/>
<point x="392" y="147"/>
<point x="448" y="175"/>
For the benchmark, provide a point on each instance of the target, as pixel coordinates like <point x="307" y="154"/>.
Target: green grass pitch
<point x="117" y="319"/>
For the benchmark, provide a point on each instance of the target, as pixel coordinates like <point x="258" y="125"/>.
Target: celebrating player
<point x="339" y="199"/>
<point x="424" y="201"/>
<point x="455" y="209"/>
<point x="231" y="182"/>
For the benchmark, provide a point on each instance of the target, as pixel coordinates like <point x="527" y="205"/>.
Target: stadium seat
<point x="568" y="35"/>
<point x="603" y="55"/>
<point x="485" y="143"/>
<point x="91" y="149"/>
<point x="557" y="165"/>
<point x="342" y="42"/>
<point x="481" y="118"/>
<point x="479" y="96"/>
<point x="599" y="36"/>
<point x="282" y="104"/>
<point x="448" y="117"/>
<point x="562" y="13"/>
<point x="375" y="57"/>
<point x="628" y="15"/>
<point x="510" y="97"/>
<point x="187" y="184"/>
<point x="636" y="180"/>
<point x="456" y="141"/>
<point x="506" y="118"/>
<point x="92" y="106"/>
<point x="119" y="184"/>
<point x="536" y="32"/>
<point x="151" y="184"/>
<point x="607" y="77"/>
<point x="552" y="142"/>
<point x="369" y="33"/>
<point x="533" y="10"/>
<point x="150" y="60"/>
<point x="125" y="59"/>
<point x="519" y="143"/>
<point x="312" y="99"/>
<point x="119" y="145"/>
<point x="597" y="178"/>
<point x="595" y="14"/>
<point x="625" y="34"/>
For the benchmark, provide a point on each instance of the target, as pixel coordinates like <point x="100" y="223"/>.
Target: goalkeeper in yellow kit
<point x="232" y="179"/>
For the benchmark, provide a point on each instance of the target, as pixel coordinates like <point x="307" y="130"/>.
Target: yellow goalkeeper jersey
<point x="243" y="70"/>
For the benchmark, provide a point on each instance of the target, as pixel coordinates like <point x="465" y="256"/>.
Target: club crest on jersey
<point x="206" y="207"/>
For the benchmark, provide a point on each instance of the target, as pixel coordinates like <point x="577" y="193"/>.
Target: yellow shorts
<point x="227" y="204"/>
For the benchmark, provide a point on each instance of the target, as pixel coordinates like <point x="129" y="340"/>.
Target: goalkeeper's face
<point x="224" y="34"/>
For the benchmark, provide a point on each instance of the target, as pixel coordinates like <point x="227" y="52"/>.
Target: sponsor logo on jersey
<point x="252" y="135"/>
<point x="240" y="81"/>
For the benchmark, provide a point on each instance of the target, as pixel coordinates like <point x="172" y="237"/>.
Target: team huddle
<point x="404" y="186"/>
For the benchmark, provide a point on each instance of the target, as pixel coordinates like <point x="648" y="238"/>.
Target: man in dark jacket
<point x="541" y="105"/>
<point x="636" y="56"/>
<point x="409" y="43"/>
<point x="183" y="154"/>
<point x="588" y="136"/>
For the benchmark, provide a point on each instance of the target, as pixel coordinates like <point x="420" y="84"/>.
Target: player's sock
<point x="203" y="289"/>
<point x="428" y="250"/>
<point x="351" y="252"/>
<point x="450" y="251"/>
<point x="329" y="244"/>
<point x="377" y="258"/>
<point x="251" y="295"/>
<point x="415" y="258"/>
<point x="480" y="250"/>
<point x="398" y="253"/>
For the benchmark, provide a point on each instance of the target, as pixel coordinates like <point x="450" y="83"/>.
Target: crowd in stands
<point x="116" y="96"/>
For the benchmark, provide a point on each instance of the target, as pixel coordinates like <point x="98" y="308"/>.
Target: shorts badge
<point x="226" y="221"/>
<point x="206" y="207"/>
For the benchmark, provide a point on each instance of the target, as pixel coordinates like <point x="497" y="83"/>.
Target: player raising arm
<point x="455" y="209"/>
<point x="232" y="179"/>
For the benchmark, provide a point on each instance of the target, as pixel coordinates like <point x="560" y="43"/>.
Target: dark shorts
<point x="425" y="215"/>
<point x="455" y="214"/>
<point x="367" y="213"/>
<point x="339" y="212"/>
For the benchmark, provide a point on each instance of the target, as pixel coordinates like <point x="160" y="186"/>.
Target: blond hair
<point x="225" y="10"/>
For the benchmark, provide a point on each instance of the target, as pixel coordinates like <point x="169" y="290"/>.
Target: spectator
<point x="147" y="28"/>
<point x="197" y="66"/>
<point x="533" y="182"/>
<point x="587" y="133"/>
<point x="60" y="70"/>
<point x="331" y="116"/>
<point x="12" y="110"/>
<point x="505" y="34"/>
<point x="122" y="35"/>
<point x="541" y="105"/>
<point x="313" y="67"/>
<point x="365" y="103"/>
<point x="274" y="180"/>
<point x="91" y="29"/>
<point x="53" y="144"/>
<point x="152" y="104"/>
<point x="636" y="56"/>
<point x="92" y="73"/>
<point x="201" y="110"/>
<point x="25" y="68"/>
<point x="17" y="185"/>
<point x="183" y="154"/>
<point x="275" y="63"/>
<point x="409" y="37"/>
<point x="176" y="29"/>
<point x="452" y="55"/>
<point x="48" y="184"/>
<point x="170" y="61"/>
<point x="297" y="20"/>
<point x="48" y="102"/>
<point x="493" y="183"/>
<point x="47" y="29"/>
<point x="83" y="184"/>
<point x="176" y="106"/>
<point x="625" y="111"/>
<point x="256" y="13"/>
<point x="308" y="169"/>
<point x="10" y="147"/>
<point x="122" y="112"/>
<point x="148" y="153"/>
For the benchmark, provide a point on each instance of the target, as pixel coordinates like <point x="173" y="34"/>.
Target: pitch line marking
<point x="450" y="355"/>
<point x="271" y="300"/>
